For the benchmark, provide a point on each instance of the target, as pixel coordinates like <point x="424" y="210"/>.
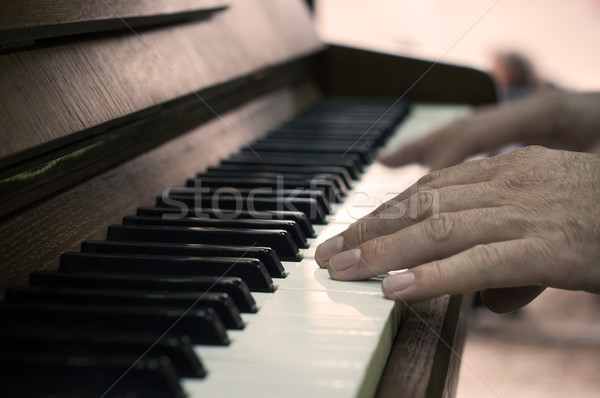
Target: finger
<point x="473" y="172"/>
<point x="429" y="240"/>
<point x="413" y="152"/>
<point x="520" y="262"/>
<point x="505" y="300"/>
<point x="399" y="215"/>
<point x="417" y="151"/>
<point x="450" y="154"/>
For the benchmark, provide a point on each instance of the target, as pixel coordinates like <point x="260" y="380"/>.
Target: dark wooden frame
<point x="40" y="222"/>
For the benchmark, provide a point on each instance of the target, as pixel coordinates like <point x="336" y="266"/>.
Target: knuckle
<point x="572" y="234"/>
<point x="486" y="254"/>
<point x="372" y="251"/>
<point x="439" y="272"/>
<point x="429" y="179"/>
<point x="425" y="180"/>
<point x="395" y="210"/>
<point x="528" y="152"/>
<point x="569" y="241"/>
<point x="439" y="229"/>
<point x="357" y="233"/>
<point x="421" y="204"/>
<point x="516" y="179"/>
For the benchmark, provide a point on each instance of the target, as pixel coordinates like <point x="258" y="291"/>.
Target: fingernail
<point x="329" y="248"/>
<point x="344" y="260"/>
<point x="400" y="281"/>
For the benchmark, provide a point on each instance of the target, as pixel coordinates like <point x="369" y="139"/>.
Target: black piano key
<point x="221" y="303"/>
<point x="306" y="137"/>
<point x="251" y="270"/>
<point x="348" y="132"/>
<point x="173" y="212"/>
<point x="340" y="172"/>
<point x="322" y="122"/>
<point x="365" y="152"/>
<point x="305" y="157"/>
<point x="265" y="254"/>
<point x="42" y="375"/>
<point x="376" y="138"/>
<point x="201" y="325"/>
<point x="289" y="226"/>
<point x="267" y="187"/>
<point x="178" y="349"/>
<point x="310" y="207"/>
<point x="365" y="147"/>
<point x="235" y="287"/>
<point x="201" y="193"/>
<point x="272" y="185"/>
<point x="348" y="164"/>
<point x="244" y="173"/>
<point x="309" y="137"/>
<point x="278" y="240"/>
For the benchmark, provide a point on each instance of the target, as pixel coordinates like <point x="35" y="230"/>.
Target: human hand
<point x="512" y="224"/>
<point x="554" y="118"/>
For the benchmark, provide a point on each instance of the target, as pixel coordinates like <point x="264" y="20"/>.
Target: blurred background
<point x="560" y="38"/>
<point x="551" y="348"/>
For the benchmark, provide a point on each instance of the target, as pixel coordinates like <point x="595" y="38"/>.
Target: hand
<point x="513" y="224"/>
<point x="555" y="118"/>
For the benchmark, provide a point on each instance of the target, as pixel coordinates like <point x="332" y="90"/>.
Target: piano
<point x="166" y="172"/>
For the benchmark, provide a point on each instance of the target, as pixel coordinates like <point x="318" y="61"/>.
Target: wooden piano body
<point x="96" y="119"/>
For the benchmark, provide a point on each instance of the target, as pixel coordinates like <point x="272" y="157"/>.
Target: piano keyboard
<point x="214" y="292"/>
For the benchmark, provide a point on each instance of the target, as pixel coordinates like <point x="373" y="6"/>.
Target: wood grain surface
<point x="56" y="94"/>
<point x="24" y="14"/>
<point x="33" y="239"/>
<point x="60" y="93"/>
<point x="24" y="22"/>
<point x="426" y="356"/>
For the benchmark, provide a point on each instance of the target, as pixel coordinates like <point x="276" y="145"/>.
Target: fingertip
<point x="506" y="300"/>
<point x="328" y="249"/>
<point x="398" y="158"/>
<point x="344" y="260"/>
<point x="450" y="156"/>
<point x="396" y="286"/>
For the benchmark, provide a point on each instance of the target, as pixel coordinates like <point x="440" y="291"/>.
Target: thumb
<point x="505" y="300"/>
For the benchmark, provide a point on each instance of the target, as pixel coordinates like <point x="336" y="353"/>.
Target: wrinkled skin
<point x="508" y="225"/>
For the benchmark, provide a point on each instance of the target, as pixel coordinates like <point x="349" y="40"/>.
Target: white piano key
<point x="306" y="275"/>
<point x="422" y="120"/>
<point x="283" y="379"/>
<point x="298" y="316"/>
<point x="334" y="303"/>
<point x="379" y="185"/>
<point x="316" y="336"/>
<point x="334" y="347"/>
<point x="330" y="230"/>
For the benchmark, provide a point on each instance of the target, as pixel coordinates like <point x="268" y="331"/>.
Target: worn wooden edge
<point x="448" y="355"/>
<point x="455" y="361"/>
<point x="425" y="357"/>
<point x="27" y="21"/>
<point x="67" y="85"/>
<point x="355" y="71"/>
<point x="40" y="176"/>
<point x="34" y="237"/>
<point x="17" y="38"/>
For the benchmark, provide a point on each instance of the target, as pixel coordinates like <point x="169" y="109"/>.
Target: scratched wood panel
<point x="24" y="14"/>
<point x="426" y="356"/>
<point x="55" y="94"/>
<point x="34" y="238"/>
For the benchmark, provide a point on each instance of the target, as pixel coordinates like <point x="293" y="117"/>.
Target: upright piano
<point x="166" y="171"/>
